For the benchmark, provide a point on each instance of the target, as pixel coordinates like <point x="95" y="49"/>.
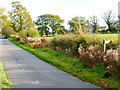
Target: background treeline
<point x="19" y="22"/>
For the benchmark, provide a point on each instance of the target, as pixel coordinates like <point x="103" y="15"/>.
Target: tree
<point x="2" y="10"/>
<point x="94" y="23"/>
<point x="78" y="24"/>
<point x="116" y="26"/>
<point x="5" y="24"/>
<point x="21" y="19"/>
<point x="119" y="20"/>
<point x="109" y="19"/>
<point x="61" y="30"/>
<point x="49" y="21"/>
<point x="54" y="22"/>
<point x="84" y="23"/>
<point x="42" y="24"/>
<point x="4" y="18"/>
<point x="74" y="24"/>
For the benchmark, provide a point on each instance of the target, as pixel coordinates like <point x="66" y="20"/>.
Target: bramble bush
<point x="29" y="40"/>
<point x="92" y="55"/>
<point x="17" y="38"/>
<point x="23" y="40"/>
<point x="35" y="42"/>
<point x="37" y="45"/>
<point x="113" y="62"/>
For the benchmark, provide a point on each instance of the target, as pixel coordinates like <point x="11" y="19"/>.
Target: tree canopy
<point x="78" y="24"/>
<point x="94" y="23"/>
<point x="110" y="20"/>
<point x="21" y="19"/>
<point x="5" y="24"/>
<point x="49" y="21"/>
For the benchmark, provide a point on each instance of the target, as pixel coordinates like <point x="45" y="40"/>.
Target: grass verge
<point x="73" y="66"/>
<point x="4" y="80"/>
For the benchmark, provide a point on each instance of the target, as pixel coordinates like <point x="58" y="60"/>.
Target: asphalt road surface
<point x="27" y="71"/>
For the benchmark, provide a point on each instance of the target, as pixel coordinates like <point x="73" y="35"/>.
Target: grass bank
<point x="4" y="80"/>
<point x="73" y="66"/>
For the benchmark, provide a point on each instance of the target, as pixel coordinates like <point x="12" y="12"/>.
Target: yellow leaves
<point x="20" y="17"/>
<point x="2" y="10"/>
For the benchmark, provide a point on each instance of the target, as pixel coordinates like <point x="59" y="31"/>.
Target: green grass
<point x="4" y="80"/>
<point x="112" y="37"/>
<point x="73" y="66"/>
<point x="98" y="39"/>
<point x="101" y="37"/>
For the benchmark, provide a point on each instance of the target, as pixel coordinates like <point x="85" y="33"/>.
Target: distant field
<point x="113" y="36"/>
<point x="100" y="35"/>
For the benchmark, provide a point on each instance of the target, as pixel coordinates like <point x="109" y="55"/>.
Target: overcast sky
<point x="66" y="9"/>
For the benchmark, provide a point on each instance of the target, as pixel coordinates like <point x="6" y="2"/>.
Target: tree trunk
<point x="109" y="27"/>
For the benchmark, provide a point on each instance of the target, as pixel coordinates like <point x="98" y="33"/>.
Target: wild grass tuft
<point x="4" y="80"/>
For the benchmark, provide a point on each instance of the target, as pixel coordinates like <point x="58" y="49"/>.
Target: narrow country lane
<point x="27" y="71"/>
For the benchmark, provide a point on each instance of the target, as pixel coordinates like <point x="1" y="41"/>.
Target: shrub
<point x="29" y="33"/>
<point x="35" y="42"/>
<point x="30" y="40"/>
<point x="113" y="45"/>
<point x="92" y="55"/>
<point x="112" y="61"/>
<point x="63" y="43"/>
<point x="23" y="33"/>
<point x="23" y="40"/>
<point x="37" y="45"/>
<point x="32" y="33"/>
<point x="17" y="38"/>
<point x="48" y="42"/>
<point x="12" y="36"/>
<point x="7" y="30"/>
<point x="43" y="39"/>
